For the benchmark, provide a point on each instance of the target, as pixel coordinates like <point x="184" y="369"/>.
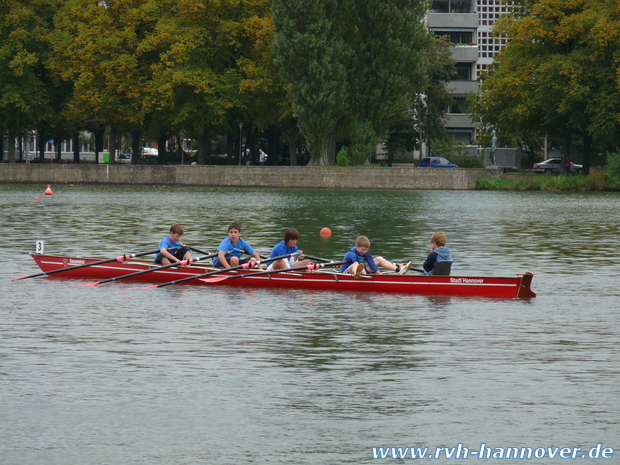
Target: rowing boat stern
<point x="525" y="291"/>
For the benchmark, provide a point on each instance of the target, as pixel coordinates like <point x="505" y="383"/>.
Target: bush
<point x="597" y="179"/>
<point x="342" y="157"/>
<point x="613" y="171"/>
<point x="457" y="154"/>
<point x="464" y="160"/>
<point x="363" y="142"/>
<point x="534" y="183"/>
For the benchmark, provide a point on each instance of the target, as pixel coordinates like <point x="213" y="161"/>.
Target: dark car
<point x="436" y="162"/>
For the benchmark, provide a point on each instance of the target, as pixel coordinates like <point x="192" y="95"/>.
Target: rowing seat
<point x="442" y="268"/>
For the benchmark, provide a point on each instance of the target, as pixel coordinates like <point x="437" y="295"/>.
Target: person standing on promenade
<point x="262" y="157"/>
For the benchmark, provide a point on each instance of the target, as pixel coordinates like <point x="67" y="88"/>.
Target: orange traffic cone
<point x="48" y="191"/>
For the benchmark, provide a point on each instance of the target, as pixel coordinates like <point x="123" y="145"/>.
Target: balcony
<point x="462" y="87"/>
<point x="455" y="120"/>
<point x="448" y="20"/>
<point x="468" y="53"/>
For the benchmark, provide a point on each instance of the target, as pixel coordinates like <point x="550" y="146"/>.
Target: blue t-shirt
<point x="233" y="250"/>
<point x="353" y="256"/>
<point x="282" y="249"/>
<point x="166" y="243"/>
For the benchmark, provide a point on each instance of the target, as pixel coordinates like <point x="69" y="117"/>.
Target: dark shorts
<point x="220" y="265"/>
<point x="179" y="253"/>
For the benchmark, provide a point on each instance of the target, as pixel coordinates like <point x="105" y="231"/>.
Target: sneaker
<point x="359" y="270"/>
<point x="404" y="268"/>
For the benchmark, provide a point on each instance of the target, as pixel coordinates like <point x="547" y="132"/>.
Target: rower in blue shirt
<point x="363" y="263"/>
<point x="285" y="247"/>
<point x="231" y="249"/>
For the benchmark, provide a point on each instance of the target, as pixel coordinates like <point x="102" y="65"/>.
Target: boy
<point x="363" y="262"/>
<point x="439" y="252"/>
<point x="170" y="249"/>
<point x="231" y="249"/>
<point x="288" y="245"/>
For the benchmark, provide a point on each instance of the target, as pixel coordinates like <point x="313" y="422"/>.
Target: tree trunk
<point x="328" y="157"/>
<point x="112" y="146"/>
<point x="567" y="139"/>
<point x="587" y="153"/>
<point x="178" y="148"/>
<point x="11" y="148"/>
<point x="328" y="153"/>
<point x="232" y="151"/>
<point x="292" y="150"/>
<point x="76" y="147"/>
<point x="136" y="149"/>
<point x="161" y="145"/>
<point x="99" y="132"/>
<point x="249" y="141"/>
<point x="41" y="143"/>
<point x="58" y="146"/>
<point x="202" y="149"/>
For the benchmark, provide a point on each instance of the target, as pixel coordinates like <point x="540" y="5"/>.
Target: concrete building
<point x="468" y="25"/>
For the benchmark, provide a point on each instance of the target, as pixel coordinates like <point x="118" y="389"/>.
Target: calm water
<point x="194" y="375"/>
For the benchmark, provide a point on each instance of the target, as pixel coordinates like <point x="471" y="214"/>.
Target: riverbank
<point x="328" y="177"/>
<point x="596" y="181"/>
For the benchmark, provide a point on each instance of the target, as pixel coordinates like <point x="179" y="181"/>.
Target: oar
<point x="316" y="259"/>
<point x="122" y="258"/>
<point x="138" y="273"/>
<point x="311" y="267"/>
<point x="222" y="270"/>
<point x="194" y="249"/>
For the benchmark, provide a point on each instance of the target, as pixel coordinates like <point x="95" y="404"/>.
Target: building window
<point x="453" y="6"/>
<point x="462" y="72"/>
<point x="459" y="107"/>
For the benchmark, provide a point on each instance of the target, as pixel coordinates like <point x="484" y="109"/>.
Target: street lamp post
<point x="240" y="136"/>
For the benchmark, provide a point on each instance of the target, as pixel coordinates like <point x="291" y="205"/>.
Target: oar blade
<point x="217" y="279"/>
<point x="91" y="284"/>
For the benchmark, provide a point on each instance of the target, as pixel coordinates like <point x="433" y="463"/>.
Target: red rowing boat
<point x="324" y="279"/>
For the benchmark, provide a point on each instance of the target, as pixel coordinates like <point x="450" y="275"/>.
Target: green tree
<point x="310" y="53"/>
<point x="208" y="74"/>
<point x="102" y="49"/>
<point x="29" y="97"/>
<point x="389" y="58"/>
<point x="351" y="66"/>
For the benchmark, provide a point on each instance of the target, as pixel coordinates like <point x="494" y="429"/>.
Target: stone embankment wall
<point x="248" y="176"/>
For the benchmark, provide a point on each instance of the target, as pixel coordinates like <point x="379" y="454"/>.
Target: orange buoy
<point x="48" y="191"/>
<point x="326" y="232"/>
<point x="37" y="198"/>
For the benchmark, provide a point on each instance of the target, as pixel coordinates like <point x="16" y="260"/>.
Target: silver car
<point x="552" y="165"/>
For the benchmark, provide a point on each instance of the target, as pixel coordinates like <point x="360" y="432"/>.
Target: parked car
<point x="124" y="158"/>
<point x="552" y="165"/>
<point x="436" y="162"/>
